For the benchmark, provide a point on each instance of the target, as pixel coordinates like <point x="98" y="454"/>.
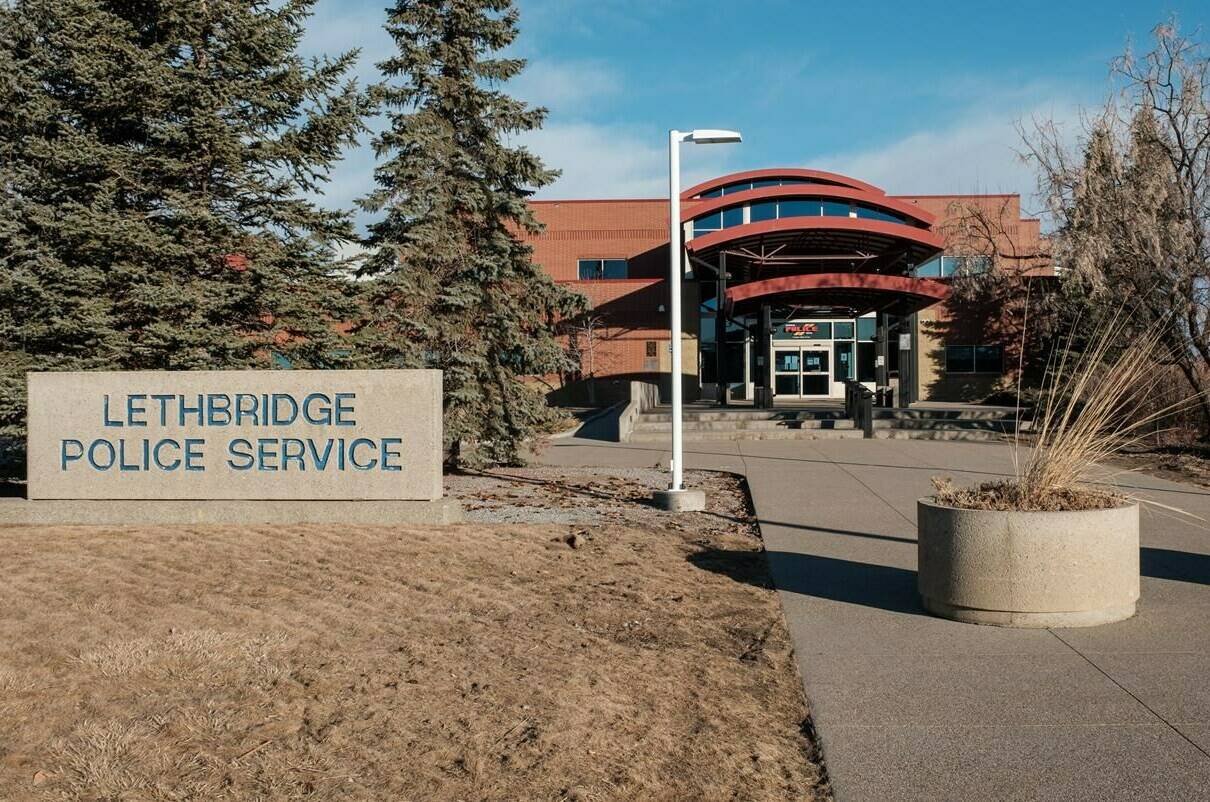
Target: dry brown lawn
<point x="648" y="661"/>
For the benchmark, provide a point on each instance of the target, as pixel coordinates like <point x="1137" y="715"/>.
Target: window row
<point x="947" y="266"/>
<point x="974" y="359"/>
<point x="590" y="269"/>
<point x="797" y="207"/>
<point x="742" y="186"/>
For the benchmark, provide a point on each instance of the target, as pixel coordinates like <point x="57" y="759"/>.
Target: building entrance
<point x="802" y="372"/>
<point x="812" y="359"/>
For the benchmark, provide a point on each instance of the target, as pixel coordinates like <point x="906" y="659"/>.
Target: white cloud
<point x="565" y="86"/>
<point x="600" y="161"/>
<point x="980" y="154"/>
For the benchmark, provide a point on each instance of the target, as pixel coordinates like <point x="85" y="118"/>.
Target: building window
<point x="818" y="207"/>
<point x="799" y="208"/>
<point x="930" y="269"/>
<point x="866" y="359"/>
<point x="974" y="359"/>
<point x="707" y="223"/>
<point x="603" y="268"/>
<point x="947" y="266"/>
<point x="764" y="210"/>
<point x="868" y="213"/>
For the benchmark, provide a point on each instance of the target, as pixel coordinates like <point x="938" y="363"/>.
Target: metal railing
<point x="859" y="406"/>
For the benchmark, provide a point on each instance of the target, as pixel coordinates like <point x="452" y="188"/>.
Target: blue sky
<point x="915" y="97"/>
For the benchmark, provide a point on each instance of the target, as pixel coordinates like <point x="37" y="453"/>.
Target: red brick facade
<point x="629" y="326"/>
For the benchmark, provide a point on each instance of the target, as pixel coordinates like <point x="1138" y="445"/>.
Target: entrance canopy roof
<point x="856" y="292"/>
<point x="811" y="239"/>
<point x="798" y="244"/>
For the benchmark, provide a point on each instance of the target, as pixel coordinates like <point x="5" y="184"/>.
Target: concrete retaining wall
<point x="643" y="396"/>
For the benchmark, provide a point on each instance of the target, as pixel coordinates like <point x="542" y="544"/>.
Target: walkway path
<point x="916" y="708"/>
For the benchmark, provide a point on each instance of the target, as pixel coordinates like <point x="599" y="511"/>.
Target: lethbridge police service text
<point x="230" y="410"/>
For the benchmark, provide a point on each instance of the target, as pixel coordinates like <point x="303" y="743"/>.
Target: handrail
<point x="859" y="406"/>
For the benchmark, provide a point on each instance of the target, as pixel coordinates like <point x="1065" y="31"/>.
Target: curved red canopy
<point x="779" y="172"/>
<point x="864" y="291"/>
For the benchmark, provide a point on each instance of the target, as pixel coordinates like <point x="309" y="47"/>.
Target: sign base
<point x="130" y="512"/>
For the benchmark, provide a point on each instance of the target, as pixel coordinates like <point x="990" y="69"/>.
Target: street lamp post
<point x="676" y="497"/>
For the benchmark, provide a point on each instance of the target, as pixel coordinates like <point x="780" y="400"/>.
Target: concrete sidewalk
<point x="913" y="707"/>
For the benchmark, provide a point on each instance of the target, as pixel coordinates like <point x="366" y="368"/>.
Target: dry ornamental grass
<point x="1093" y="406"/>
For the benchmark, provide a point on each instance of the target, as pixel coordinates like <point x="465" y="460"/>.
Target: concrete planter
<point x="1029" y="569"/>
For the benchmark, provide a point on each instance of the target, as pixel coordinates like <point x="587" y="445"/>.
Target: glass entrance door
<point x="787" y="372"/>
<point x="802" y="372"/>
<point x="816" y="379"/>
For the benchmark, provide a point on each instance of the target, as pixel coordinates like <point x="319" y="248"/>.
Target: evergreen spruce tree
<point x="450" y="283"/>
<point x="155" y="157"/>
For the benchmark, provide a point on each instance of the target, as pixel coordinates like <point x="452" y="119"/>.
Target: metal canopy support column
<point x="907" y="362"/>
<point x="881" y="352"/>
<point x="720" y="331"/>
<point x="764" y="358"/>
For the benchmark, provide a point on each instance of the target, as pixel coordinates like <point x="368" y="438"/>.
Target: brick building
<point x="822" y="279"/>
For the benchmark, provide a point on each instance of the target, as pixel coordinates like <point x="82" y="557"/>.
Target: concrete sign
<point x="289" y="434"/>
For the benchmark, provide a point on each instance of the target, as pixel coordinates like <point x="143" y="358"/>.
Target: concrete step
<point x="757" y="434"/>
<point x="948" y="424"/>
<point x="995" y="413"/>
<point x="973" y="435"/>
<point x="662" y="415"/>
<point x="644" y="424"/>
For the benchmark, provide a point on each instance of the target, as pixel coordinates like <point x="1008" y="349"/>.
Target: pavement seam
<point x="1131" y="694"/>
<point x="872" y="491"/>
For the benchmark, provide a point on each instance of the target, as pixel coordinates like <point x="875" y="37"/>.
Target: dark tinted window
<point x="867" y="213"/>
<point x="798" y="208"/>
<point x="989" y="359"/>
<point x="765" y="210"/>
<point x="959" y="359"/>
<point x="709" y="222"/>
<point x="785" y="384"/>
<point x="974" y="359"/>
<point x="590" y="269"/>
<point x="865" y="361"/>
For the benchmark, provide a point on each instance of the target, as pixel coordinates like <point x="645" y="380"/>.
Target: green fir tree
<point x="156" y="158"/>
<point x="450" y="283"/>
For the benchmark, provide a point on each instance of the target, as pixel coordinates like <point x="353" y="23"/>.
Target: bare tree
<point x="584" y="334"/>
<point x="1131" y="203"/>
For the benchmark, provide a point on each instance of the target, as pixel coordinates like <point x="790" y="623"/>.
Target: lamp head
<point x="713" y="136"/>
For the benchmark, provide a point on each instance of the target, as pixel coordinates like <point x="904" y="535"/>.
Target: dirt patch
<point x="586" y="658"/>
<point x="1008" y="496"/>
<point x="1181" y="463"/>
